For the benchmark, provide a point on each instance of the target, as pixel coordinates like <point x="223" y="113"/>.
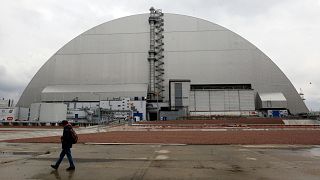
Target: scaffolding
<point x="156" y="73"/>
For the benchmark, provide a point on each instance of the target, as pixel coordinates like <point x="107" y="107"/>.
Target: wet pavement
<point x="159" y="161"/>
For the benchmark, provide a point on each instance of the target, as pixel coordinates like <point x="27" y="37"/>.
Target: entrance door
<point x="153" y="116"/>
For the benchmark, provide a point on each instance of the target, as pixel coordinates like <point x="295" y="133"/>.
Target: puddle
<point x="161" y="157"/>
<point x="312" y="152"/>
<point x="20" y="154"/>
<point x="243" y="149"/>
<point x="163" y="151"/>
<point x="315" y="152"/>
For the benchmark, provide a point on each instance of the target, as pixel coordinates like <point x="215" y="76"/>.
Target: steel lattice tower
<point x="156" y="74"/>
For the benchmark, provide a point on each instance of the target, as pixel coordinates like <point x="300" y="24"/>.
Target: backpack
<point x="74" y="136"/>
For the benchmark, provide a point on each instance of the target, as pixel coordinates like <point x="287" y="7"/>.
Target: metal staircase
<point x="156" y="76"/>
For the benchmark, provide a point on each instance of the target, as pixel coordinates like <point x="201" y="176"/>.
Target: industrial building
<point x="158" y="66"/>
<point x="7" y="110"/>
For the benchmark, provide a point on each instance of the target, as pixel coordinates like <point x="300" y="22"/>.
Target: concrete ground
<point x="31" y="161"/>
<point x="301" y="122"/>
<point x="21" y="133"/>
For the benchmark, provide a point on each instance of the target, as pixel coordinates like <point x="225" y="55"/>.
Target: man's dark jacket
<point x="66" y="138"/>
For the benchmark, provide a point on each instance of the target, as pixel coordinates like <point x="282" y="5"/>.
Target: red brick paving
<point x="221" y="121"/>
<point x="277" y="135"/>
<point x="304" y="137"/>
<point x="218" y="126"/>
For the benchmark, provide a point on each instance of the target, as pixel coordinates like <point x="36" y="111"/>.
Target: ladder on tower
<point x="156" y="64"/>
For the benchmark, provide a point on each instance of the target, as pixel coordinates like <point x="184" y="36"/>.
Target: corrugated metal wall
<point x="221" y="100"/>
<point x="246" y="100"/>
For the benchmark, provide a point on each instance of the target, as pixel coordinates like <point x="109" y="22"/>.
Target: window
<point x="10" y="111"/>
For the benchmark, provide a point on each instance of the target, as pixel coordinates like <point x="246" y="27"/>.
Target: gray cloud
<point x="10" y="87"/>
<point x="8" y="82"/>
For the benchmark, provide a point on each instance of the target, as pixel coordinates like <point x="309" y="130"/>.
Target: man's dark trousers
<point x="65" y="151"/>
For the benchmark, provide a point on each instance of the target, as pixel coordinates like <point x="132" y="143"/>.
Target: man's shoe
<point x="70" y="168"/>
<point x="54" y="166"/>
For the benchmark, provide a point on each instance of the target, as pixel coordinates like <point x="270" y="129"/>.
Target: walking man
<point x="66" y="141"/>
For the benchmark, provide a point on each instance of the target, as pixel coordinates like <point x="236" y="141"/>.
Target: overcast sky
<point x="288" y="31"/>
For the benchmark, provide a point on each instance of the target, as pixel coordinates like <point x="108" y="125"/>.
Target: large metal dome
<point x="114" y="55"/>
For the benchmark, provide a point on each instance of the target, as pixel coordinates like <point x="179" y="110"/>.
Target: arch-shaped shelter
<point x="111" y="60"/>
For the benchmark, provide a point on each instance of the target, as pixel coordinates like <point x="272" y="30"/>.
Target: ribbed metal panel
<point x="192" y="103"/>
<point x="232" y="99"/>
<point x="246" y="100"/>
<point x="202" y="100"/>
<point x="217" y="100"/>
<point x="222" y="100"/>
<point x="272" y="100"/>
